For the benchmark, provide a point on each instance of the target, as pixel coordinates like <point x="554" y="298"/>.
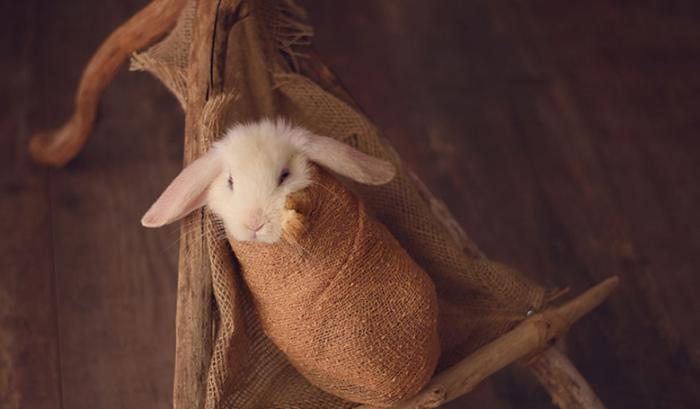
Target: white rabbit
<point x="353" y="312"/>
<point x="247" y="175"/>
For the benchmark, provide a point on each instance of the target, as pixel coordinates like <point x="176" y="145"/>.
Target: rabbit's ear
<point x="347" y="161"/>
<point x="187" y="192"/>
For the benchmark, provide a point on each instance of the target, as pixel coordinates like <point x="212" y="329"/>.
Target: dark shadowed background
<point x="564" y="136"/>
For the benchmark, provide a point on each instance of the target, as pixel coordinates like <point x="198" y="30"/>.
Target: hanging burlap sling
<point x="478" y="298"/>
<point x="347" y="305"/>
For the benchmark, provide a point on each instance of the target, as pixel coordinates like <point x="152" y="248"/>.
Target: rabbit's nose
<point x="255" y="222"/>
<point x="255" y="227"/>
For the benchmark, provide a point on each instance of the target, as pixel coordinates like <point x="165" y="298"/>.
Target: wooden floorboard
<point x="29" y="360"/>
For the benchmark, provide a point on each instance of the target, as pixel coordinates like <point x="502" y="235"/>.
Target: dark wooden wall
<point x="563" y="135"/>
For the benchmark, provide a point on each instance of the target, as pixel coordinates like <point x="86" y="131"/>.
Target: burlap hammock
<point x="229" y="61"/>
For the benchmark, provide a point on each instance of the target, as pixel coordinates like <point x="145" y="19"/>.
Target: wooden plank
<point x="29" y="362"/>
<point x="206" y="80"/>
<point x="194" y="293"/>
<point x="116" y="281"/>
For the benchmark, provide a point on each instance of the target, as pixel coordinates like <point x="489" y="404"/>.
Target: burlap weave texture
<point x="342" y="299"/>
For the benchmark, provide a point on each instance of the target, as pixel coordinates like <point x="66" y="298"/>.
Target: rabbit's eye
<point x="283" y="176"/>
<point x="230" y="182"/>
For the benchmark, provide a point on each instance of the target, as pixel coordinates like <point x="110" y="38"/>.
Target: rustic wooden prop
<point x="531" y="341"/>
<point x="193" y="320"/>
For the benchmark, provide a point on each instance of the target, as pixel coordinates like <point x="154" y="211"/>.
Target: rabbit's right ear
<point x="345" y="160"/>
<point x="187" y="192"/>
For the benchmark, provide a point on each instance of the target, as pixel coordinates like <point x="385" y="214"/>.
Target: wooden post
<point x="193" y="321"/>
<point x="193" y="339"/>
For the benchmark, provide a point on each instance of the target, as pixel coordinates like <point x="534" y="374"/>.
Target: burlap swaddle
<point x="343" y="300"/>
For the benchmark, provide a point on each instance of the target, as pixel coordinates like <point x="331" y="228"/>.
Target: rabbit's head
<point x="248" y="177"/>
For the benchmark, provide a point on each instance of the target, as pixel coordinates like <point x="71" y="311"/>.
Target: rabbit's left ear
<point x="187" y="192"/>
<point x="347" y="161"/>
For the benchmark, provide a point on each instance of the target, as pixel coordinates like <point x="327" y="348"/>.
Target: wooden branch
<point x="193" y="320"/>
<point x="566" y="386"/>
<point x="57" y="147"/>
<point x="532" y="336"/>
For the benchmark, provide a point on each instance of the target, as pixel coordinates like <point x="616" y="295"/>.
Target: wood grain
<point x="194" y="293"/>
<point x="30" y="373"/>
<point x="205" y="79"/>
<point x="115" y="281"/>
<point x="564" y="383"/>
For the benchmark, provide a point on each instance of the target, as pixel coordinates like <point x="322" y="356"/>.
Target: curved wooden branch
<point x="57" y="147"/>
<point x="532" y="336"/>
<point x="566" y="386"/>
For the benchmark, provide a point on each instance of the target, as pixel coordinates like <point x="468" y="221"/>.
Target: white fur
<point x="253" y="156"/>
